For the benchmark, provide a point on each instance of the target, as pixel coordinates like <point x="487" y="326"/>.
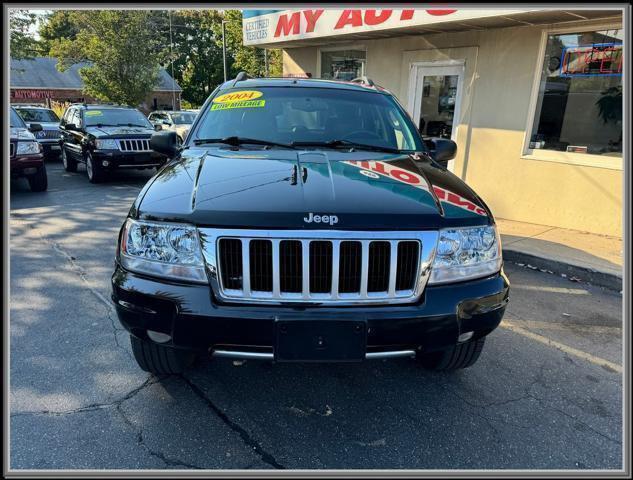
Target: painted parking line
<point x="564" y="348"/>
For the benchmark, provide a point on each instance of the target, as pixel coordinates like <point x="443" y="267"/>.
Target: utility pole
<point x="224" y="22"/>
<point x="173" y="79"/>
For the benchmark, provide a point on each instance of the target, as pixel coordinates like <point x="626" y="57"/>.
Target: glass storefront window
<point x="579" y="107"/>
<point x="343" y="64"/>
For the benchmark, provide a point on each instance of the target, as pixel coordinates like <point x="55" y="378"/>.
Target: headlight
<point x="28" y="148"/>
<point x="106" y="144"/>
<point x="466" y="253"/>
<point x="163" y="250"/>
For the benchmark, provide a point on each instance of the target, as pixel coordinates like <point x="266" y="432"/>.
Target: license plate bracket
<point x="320" y="340"/>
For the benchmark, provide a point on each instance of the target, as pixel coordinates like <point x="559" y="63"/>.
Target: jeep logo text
<point x="331" y="219"/>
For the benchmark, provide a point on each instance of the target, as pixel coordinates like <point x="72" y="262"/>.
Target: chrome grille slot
<point x="290" y="266"/>
<point x="231" y="263"/>
<point x="261" y="265"/>
<point x="349" y="267"/>
<point x="12" y="149"/>
<point x="320" y="266"/>
<point x="334" y="267"/>
<point x="379" y="264"/>
<point x="134" y="145"/>
<point x="407" y="253"/>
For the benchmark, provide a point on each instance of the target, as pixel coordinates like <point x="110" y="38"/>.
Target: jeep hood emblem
<point x="312" y="218"/>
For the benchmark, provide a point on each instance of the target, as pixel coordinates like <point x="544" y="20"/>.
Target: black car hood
<point x="280" y="188"/>
<point x="119" y="131"/>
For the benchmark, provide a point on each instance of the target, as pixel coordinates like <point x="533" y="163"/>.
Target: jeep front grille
<point x="134" y="145"/>
<point x="318" y="266"/>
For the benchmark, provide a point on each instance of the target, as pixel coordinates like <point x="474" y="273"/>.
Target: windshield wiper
<point x="130" y="125"/>
<point x="237" y="141"/>
<point x="346" y="144"/>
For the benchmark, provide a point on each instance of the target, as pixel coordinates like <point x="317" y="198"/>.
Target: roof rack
<point x="240" y="77"/>
<point x="364" y="80"/>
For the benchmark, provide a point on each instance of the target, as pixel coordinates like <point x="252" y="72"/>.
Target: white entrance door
<point x="435" y="94"/>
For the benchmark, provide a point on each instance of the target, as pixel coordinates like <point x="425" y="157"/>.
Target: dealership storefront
<point x="532" y="97"/>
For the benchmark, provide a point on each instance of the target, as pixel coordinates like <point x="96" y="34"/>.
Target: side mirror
<point x="35" y="127"/>
<point x="165" y="142"/>
<point x="442" y="149"/>
<point x="70" y="126"/>
<point x="158" y="127"/>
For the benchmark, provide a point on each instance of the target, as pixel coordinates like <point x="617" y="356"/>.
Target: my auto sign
<point x="271" y="26"/>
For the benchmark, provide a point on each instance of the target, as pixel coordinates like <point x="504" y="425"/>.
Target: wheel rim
<point x="89" y="167"/>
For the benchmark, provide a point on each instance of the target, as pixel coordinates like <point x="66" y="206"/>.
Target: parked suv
<point x="25" y="154"/>
<point x="105" y="138"/>
<point x="306" y="221"/>
<point x="180" y="122"/>
<point x="49" y="136"/>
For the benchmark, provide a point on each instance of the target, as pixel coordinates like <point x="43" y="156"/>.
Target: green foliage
<point x="23" y="44"/>
<point x="55" y="26"/>
<point x="124" y="53"/>
<point x="610" y="104"/>
<point x="248" y="59"/>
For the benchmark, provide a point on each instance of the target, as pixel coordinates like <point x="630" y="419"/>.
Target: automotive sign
<point x="272" y="26"/>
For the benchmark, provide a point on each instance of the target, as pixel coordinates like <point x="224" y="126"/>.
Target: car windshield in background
<point x="310" y="117"/>
<point x="115" y="117"/>
<point x="38" y="115"/>
<point x="183" y="118"/>
<point x="16" y="120"/>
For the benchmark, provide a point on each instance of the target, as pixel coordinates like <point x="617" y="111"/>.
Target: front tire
<point x="462" y="355"/>
<point x="38" y="182"/>
<point x="94" y="171"/>
<point x="70" y="164"/>
<point x="160" y="359"/>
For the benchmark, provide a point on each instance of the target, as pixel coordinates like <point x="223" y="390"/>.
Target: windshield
<point x="16" y="121"/>
<point x="38" y="115"/>
<point x="183" y="118"/>
<point x="115" y="117"/>
<point x="310" y="116"/>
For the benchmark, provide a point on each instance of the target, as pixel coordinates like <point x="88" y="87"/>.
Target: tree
<point x="244" y="58"/>
<point x="197" y="56"/>
<point x="123" y="53"/>
<point x="55" y="26"/>
<point x="22" y="43"/>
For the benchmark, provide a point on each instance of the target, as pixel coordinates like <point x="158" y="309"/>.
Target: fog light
<point x="464" y="337"/>
<point x="158" y="337"/>
<point x="105" y="163"/>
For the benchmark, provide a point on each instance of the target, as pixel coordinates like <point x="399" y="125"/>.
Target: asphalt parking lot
<point x="545" y="394"/>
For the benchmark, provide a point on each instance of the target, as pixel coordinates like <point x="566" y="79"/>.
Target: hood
<point x="47" y="125"/>
<point x="19" y="133"/>
<point x="119" y="131"/>
<point x="281" y="188"/>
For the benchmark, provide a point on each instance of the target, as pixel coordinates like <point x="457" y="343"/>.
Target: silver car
<point x="179" y="121"/>
<point x="49" y="136"/>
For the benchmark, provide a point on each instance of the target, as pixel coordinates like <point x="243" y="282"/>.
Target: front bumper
<point x="24" y="165"/>
<point x="193" y="319"/>
<point x="118" y="159"/>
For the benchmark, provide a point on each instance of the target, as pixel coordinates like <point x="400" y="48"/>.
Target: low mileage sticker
<point x="241" y="99"/>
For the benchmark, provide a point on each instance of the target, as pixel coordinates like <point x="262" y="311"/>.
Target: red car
<point x="26" y="155"/>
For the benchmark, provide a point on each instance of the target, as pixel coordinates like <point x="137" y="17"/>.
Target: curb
<point x="586" y="274"/>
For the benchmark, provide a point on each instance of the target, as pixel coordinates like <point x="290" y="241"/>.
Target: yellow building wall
<point x="501" y="65"/>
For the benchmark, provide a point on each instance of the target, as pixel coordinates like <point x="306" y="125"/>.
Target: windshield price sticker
<point x="93" y="113"/>
<point x="241" y="99"/>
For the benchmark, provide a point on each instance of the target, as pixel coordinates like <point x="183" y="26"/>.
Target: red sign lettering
<point x="349" y="17"/>
<point x="372" y="19"/>
<point x="285" y="24"/>
<point x="440" y="12"/>
<point x="407" y="14"/>
<point x="311" y="17"/>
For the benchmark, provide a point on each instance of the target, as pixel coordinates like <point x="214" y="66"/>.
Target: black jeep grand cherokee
<point x="106" y="137"/>
<point x="305" y="220"/>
